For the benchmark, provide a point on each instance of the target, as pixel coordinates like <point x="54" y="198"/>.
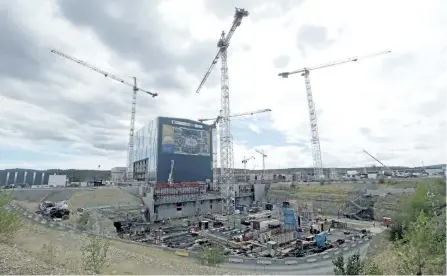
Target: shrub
<point x="10" y="222"/>
<point x="83" y="221"/>
<point x="212" y="256"/>
<point x="94" y="254"/>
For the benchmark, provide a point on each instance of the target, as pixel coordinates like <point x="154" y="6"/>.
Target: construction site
<point x="182" y="190"/>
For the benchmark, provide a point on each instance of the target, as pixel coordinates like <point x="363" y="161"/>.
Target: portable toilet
<point x="320" y="239"/>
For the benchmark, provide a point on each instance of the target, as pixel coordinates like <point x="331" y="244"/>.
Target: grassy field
<point x="123" y="258"/>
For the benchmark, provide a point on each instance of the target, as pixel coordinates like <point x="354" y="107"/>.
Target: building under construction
<point x="173" y="157"/>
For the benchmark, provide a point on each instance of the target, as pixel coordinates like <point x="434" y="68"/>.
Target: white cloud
<point x="254" y="128"/>
<point x="399" y="97"/>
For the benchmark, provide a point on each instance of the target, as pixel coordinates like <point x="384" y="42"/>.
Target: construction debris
<point x="54" y="210"/>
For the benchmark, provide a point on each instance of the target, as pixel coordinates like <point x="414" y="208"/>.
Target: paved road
<point x="318" y="268"/>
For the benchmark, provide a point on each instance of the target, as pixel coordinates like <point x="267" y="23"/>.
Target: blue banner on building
<point x="290" y="219"/>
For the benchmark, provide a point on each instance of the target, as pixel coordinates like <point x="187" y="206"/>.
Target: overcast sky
<point x="55" y="113"/>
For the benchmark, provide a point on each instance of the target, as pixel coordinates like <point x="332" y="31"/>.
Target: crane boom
<point x="238" y="114"/>
<point x="224" y="41"/>
<point x="392" y="172"/>
<point x="135" y="89"/>
<point x="325" y="65"/>
<point x="102" y="72"/>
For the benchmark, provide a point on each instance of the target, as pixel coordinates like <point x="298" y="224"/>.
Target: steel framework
<point x="226" y="141"/>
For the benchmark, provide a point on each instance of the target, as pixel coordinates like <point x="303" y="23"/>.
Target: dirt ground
<point x="124" y="258"/>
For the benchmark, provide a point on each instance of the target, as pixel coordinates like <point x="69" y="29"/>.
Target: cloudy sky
<point x="55" y="113"/>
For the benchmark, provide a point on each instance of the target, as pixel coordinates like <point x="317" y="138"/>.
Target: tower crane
<point x="135" y="89"/>
<point x="262" y="153"/>
<point x="213" y="127"/>
<point x="244" y="161"/>
<point x="226" y="141"/>
<point x="316" y="150"/>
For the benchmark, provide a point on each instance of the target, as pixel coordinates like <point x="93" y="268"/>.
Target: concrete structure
<point x="169" y="201"/>
<point x="23" y="177"/>
<point x="173" y="161"/>
<point x="435" y="172"/>
<point x="57" y="180"/>
<point x="181" y="143"/>
<point x="117" y="174"/>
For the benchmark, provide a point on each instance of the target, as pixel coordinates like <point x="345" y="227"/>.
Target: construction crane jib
<point x="135" y="88"/>
<point x="315" y="140"/>
<point x="226" y="143"/>
<point x="262" y="153"/>
<point x="213" y="127"/>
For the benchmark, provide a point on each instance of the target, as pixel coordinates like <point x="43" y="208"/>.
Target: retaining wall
<point x="254" y="262"/>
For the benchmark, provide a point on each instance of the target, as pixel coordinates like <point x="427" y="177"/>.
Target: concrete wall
<point x="169" y="211"/>
<point x="260" y="193"/>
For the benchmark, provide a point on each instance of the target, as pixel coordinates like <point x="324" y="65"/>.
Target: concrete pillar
<point x="34" y="178"/>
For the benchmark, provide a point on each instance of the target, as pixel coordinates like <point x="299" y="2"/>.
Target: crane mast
<point x="315" y="136"/>
<point x="226" y="143"/>
<point x="244" y="161"/>
<point x="135" y="89"/>
<point x="262" y="153"/>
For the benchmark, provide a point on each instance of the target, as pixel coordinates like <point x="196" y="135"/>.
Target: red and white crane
<point x="226" y="140"/>
<point x="135" y="89"/>
<point x="216" y="178"/>
<point x="316" y="150"/>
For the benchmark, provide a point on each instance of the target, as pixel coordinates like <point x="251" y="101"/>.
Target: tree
<point x="212" y="256"/>
<point x="10" y="222"/>
<point x="428" y="198"/>
<point x="422" y="249"/>
<point x="354" y="265"/>
<point x="339" y="265"/>
<point x="94" y="254"/>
